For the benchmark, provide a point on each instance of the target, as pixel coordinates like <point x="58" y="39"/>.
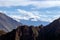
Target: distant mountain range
<point x="35" y="23"/>
<point x="7" y="24"/>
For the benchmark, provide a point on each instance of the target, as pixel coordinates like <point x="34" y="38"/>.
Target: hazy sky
<point x="44" y="10"/>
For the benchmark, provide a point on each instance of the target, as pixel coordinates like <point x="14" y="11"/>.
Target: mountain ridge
<point x="7" y="23"/>
<point x="51" y="31"/>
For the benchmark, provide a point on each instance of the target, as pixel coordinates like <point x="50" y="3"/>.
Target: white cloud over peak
<point x="45" y="0"/>
<point x="11" y="2"/>
<point x="17" y="18"/>
<point x="28" y="14"/>
<point x="4" y="12"/>
<point x="37" y="16"/>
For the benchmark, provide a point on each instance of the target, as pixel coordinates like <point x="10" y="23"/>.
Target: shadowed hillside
<point x="51" y="31"/>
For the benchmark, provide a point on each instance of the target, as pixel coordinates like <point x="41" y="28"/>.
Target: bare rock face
<point x="7" y="24"/>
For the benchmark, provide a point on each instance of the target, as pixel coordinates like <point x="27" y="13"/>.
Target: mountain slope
<point x="51" y="31"/>
<point x="7" y="23"/>
<point x="54" y="24"/>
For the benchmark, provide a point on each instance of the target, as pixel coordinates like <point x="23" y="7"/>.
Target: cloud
<point x="46" y="4"/>
<point x="22" y="14"/>
<point x="28" y="14"/>
<point x="11" y="2"/>
<point x="49" y="18"/>
<point x="38" y="4"/>
<point x="17" y="18"/>
<point x="4" y="12"/>
<point x="35" y="15"/>
<point x="56" y="16"/>
<point x="45" y="0"/>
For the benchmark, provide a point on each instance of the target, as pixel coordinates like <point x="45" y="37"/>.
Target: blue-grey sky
<point x="44" y="10"/>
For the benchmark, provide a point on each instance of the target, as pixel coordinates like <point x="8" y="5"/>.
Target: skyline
<point x="43" y="10"/>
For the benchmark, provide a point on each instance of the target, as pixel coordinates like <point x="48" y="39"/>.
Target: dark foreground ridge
<point x="24" y="32"/>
